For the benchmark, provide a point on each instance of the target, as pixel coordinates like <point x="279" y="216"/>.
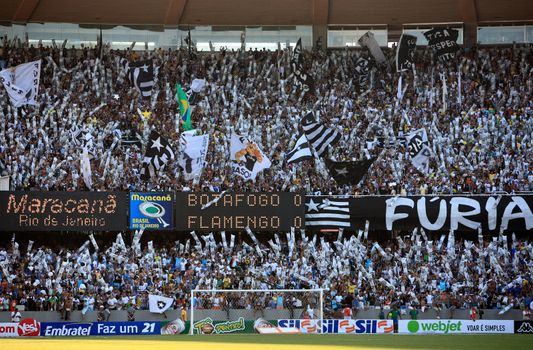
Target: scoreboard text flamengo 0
<point x="236" y="211"/>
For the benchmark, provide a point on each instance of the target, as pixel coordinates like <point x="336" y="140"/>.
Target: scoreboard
<point x="209" y="211"/>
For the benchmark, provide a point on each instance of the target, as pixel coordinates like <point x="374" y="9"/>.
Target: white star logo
<point x="145" y="68"/>
<point x="342" y="171"/>
<point x="312" y="205"/>
<point x="115" y="96"/>
<point x="157" y="144"/>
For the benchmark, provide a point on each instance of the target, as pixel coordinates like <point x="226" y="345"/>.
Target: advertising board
<point x="62" y="211"/>
<point x="151" y="210"/>
<point x="455" y="326"/>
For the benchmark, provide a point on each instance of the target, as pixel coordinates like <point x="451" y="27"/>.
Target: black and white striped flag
<point x="141" y="75"/>
<point x="318" y="135"/>
<point x="300" y="152"/>
<point x="158" y="153"/>
<point x="323" y="212"/>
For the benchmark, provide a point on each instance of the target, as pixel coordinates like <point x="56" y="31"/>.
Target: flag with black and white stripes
<point x="323" y="212"/>
<point x="158" y="153"/>
<point x="141" y="75"/>
<point x="300" y="152"/>
<point x="319" y="136"/>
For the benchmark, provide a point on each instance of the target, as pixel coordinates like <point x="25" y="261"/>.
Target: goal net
<point x="222" y="311"/>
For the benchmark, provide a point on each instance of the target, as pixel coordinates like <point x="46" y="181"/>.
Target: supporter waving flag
<point x="22" y="83"/>
<point x="159" y="304"/>
<point x="368" y="41"/>
<point x="419" y="151"/>
<point x="141" y="75"/>
<point x="185" y="108"/>
<point x="158" y="153"/>
<point x="349" y="173"/>
<point x="300" y="152"/>
<point x="304" y="79"/>
<point x="318" y="135"/>
<point x="247" y="160"/>
<point x="405" y="52"/>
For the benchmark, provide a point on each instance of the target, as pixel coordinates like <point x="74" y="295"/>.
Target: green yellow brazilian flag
<point x="185" y="108"/>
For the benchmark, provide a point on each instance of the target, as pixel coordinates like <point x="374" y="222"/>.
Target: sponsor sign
<point x="455" y="326"/>
<point x="151" y="210"/>
<point x="27" y="327"/>
<point x="62" y="211"/>
<point x="523" y="327"/>
<point x="8" y="329"/>
<point x="433" y="213"/>
<point x="71" y="329"/>
<point x="339" y="326"/>
<point x="208" y="326"/>
<point x="207" y="211"/>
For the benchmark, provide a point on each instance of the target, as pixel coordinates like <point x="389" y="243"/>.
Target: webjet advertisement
<point x="455" y="326"/>
<point x="339" y="326"/>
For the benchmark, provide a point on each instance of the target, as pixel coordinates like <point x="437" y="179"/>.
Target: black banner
<point x="433" y="213"/>
<point x="405" y="52"/>
<point x="523" y="327"/>
<point x="444" y="41"/>
<point x="63" y="211"/>
<point x="207" y="211"/>
<point x="304" y="79"/>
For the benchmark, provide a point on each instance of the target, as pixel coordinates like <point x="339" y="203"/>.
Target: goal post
<point x="221" y="311"/>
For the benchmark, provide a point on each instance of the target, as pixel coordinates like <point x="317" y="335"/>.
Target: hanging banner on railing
<point x="433" y="213"/>
<point x="63" y="211"/>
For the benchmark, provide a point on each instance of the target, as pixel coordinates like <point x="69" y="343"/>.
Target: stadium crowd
<point x="415" y="272"/>
<point x="481" y="137"/>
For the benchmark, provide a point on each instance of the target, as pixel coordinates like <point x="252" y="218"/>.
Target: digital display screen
<point x="58" y="211"/>
<point x="206" y="211"/>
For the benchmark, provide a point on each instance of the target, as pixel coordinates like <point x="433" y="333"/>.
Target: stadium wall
<point x="54" y="316"/>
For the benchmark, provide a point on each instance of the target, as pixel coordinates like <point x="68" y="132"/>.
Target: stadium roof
<point x="264" y="12"/>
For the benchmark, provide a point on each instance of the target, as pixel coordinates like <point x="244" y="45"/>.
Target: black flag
<point x="349" y="173"/>
<point x="319" y="136"/>
<point x="304" y="79"/>
<point x="444" y="41"/>
<point x="405" y="53"/>
<point x="158" y="153"/>
<point x="141" y="75"/>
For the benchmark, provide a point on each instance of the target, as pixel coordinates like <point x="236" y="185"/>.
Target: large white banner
<point x="22" y="83"/>
<point x="193" y="150"/>
<point x="455" y="326"/>
<point x="247" y="160"/>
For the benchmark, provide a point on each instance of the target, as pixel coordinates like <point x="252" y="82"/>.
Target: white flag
<point x="22" y="83"/>
<point x="197" y="85"/>
<point x="192" y="156"/>
<point x="4" y="183"/>
<point x="86" y="169"/>
<point x="159" y="304"/>
<point x="419" y="151"/>
<point x="247" y="159"/>
<point x="370" y="42"/>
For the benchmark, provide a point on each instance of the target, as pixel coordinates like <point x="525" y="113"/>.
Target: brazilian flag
<point x="185" y="108"/>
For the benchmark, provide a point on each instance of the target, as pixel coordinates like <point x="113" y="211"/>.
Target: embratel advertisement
<point x="151" y="210"/>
